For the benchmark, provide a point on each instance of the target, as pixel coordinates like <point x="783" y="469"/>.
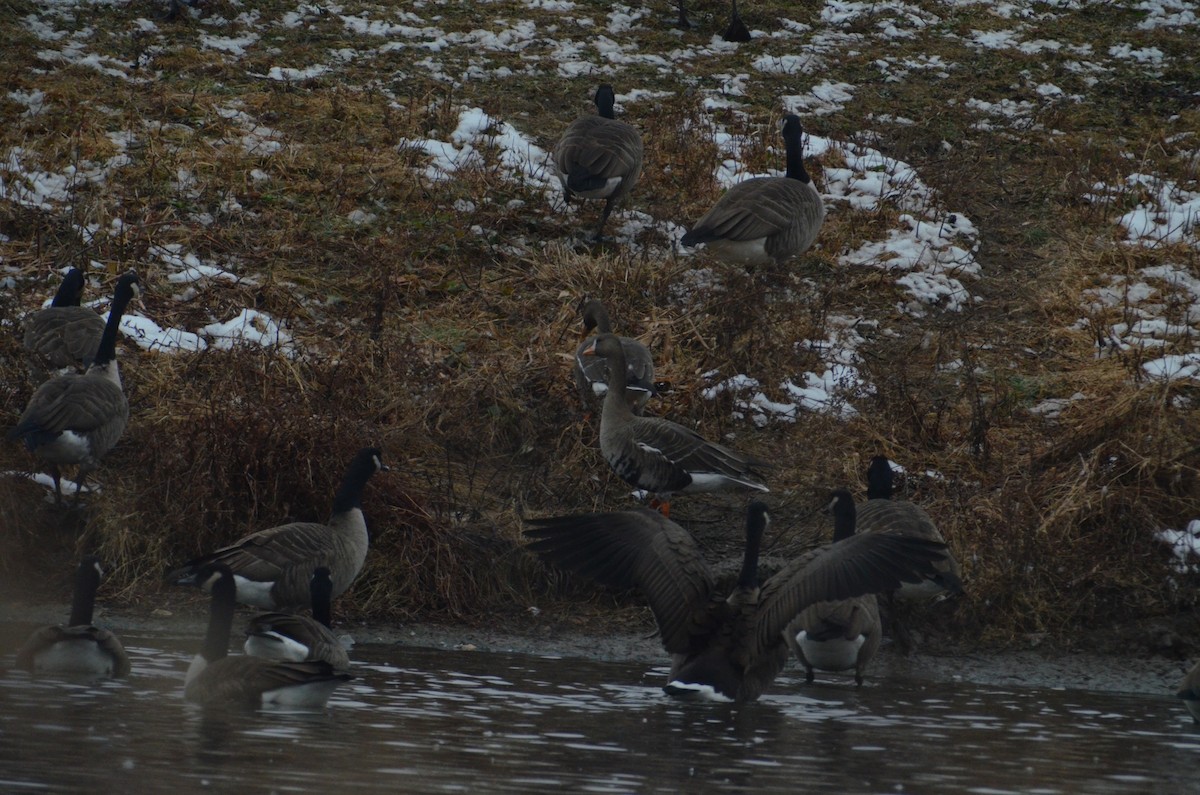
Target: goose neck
<point x="83" y="603"/>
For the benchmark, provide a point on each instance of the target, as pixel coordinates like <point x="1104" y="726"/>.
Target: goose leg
<point x="608" y="208"/>
<point x="683" y="22"/>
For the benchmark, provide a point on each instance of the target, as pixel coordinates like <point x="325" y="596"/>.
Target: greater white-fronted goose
<point x="591" y="372"/>
<point x="837" y="636"/>
<point x="214" y="679"/>
<point x="1189" y="691"/>
<point x="731" y="647"/>
<point x="272" y="567"/>
<point x="73" y="419"/>
<point x="78" y="648"/>
<point x="765" y="219"/>
<point x="599" y="157"/>
<point x="296" y="638"/>
<point x="881" y="514"/>
<point x="658" y="455"/>
<point x="64" y="334"/>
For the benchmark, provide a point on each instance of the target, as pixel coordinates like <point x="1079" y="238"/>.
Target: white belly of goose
<point x="67" y="448"/>
<point x="696" y="691"/>
<point x="601" y="193"/>
<point x="830" y="655"/>
<point x="255" y="593"/>
<point x="312" y="694"/>
<point x="741" y="252"/>
<point x="82" y="657"/>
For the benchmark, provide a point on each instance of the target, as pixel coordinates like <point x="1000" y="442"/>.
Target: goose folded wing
<point x="72" y="403"/>
<point x="635" y="549"/>
<point x="267" y="554"/>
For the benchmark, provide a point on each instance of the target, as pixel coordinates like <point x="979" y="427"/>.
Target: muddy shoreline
<point x="558" y="634"/>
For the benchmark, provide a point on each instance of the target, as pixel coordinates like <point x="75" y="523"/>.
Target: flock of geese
<point x="821" y="607"/>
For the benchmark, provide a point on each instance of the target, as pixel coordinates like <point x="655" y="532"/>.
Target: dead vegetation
<point x="442" y="327"/>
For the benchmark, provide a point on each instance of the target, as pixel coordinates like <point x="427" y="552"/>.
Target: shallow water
<point x="422" y="720"/>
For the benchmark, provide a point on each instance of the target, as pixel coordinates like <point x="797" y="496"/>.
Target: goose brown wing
<point x="750" y="210"/>
<point x="265" y="555"/>
<point x="861" y="564"/>
<point x="690" y="451"/>
<point x="320" y="640"/>
<point x="78" y="403"/>
<point x="244" y="679"/>
<point x="601" y="147"/>
<point x="635" y="549"/>
<point x="898" y="516"/>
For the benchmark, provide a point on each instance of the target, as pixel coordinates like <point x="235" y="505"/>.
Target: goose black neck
<point x="845" y="515"/>
<point x="71" y="289"/>
<point x="83" y="603"/>
<point x="756" y="525"/>
<point x="220" y="617"/>
<point x="595" y="316"/>
<point x="107" y="351"/>
<point x="321" y="592"/>
<point x="349" y="494"/>
<point x="793" y="139"/>
<point x="879" y="479"/>
<point x="605" y="101"/>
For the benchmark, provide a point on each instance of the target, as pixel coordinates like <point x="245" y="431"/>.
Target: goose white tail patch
<point x="275" y="646"/>
<point x="82" y="657"/>
<point x="255" y="593"/>
<point x="312" y="694"/>
<point x="696" y="691"/>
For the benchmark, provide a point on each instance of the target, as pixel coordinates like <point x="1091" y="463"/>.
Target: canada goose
<point x="272" y="567"/>
<point x="723" y="648"/>
<point x="64" y="334"/>
<point x="78" y="648"/>
<point x="599" y="157"/>
<point x="215" y="679"/>
<point x="881" y="514"/>
<point x="286" y="636"/>
<point x="75" y="419"/>
<point x="658" y="455"/>
<point x="836" y="636"/>
<point x="765" y="219"/>
<point x="591" y="373"/>
<point x="1189" y="691"/>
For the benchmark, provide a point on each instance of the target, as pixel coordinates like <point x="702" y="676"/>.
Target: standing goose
<point x="215" y="679"/>
<point x="286" y="636"/>
<point x="881" y="514"/>
<point x="726" y="648"/>
<point x="78" y="648"/>
<point x="591" y="372"/>
<point x="837" y="636"/>
<point x="765" y="219"/>
<point x="272" y="567"/>
<point x="64" y="334"/>
<point x="75" y="419"/>
<point x="1189" y="691"/>
<point x="599" y="157"/>
<point x="658" y="455"/>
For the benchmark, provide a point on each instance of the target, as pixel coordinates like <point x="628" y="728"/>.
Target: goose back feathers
<point x="723" y="646"/>
<point x="591" y="372"/>
<point x="658" y="455"/>
<point x="272" y="567"/>
<point x="78" y="648"/>
<point x="599" y="157"/>
<point x="64" y="334"/>
<point x="296" y="638"/>
<point x="765" y="219"/>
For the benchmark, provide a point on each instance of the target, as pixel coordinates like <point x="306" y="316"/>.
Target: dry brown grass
<point x="451" y="349"/>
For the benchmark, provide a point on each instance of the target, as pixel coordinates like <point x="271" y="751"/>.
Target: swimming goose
<point x="599" y="157"/>
<point x="658" y="455"/>
<point x="725" y="648"/>
<point x="77" y="648"/>
<point x="64" y="334"/>
<point x="881" y="514"/>
<point x="591" y="373"/>
<point x="837" y="636"/>
<point x="215" y="679"/>
<point x="765" y="219"/>
<point x="286" y="636"/>
<point x="1189" y="691"/>
<point x="75" y="419"/>
<point x="272" y="567"/>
